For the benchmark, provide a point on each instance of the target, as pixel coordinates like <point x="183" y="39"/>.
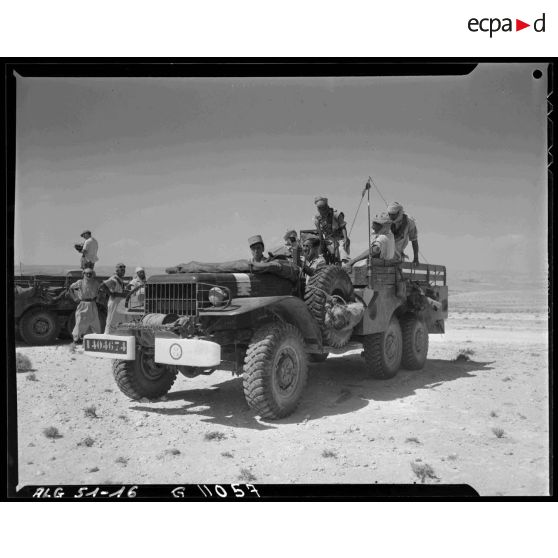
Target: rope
<point x="356" y="214"/>
<point x="328" y="295"/>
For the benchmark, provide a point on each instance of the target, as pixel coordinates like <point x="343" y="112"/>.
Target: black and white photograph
<point x="290" y="277"/>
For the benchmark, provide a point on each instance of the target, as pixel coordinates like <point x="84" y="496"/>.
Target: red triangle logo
<point x="519" y="25"/>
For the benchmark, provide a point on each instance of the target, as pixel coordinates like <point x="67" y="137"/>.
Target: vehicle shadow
<point x="335" y="387"/>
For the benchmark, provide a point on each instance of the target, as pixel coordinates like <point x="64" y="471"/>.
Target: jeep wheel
<point x="383" y="351"/>
<point x="39" y="327"/>
<point x="143" y="377"/>
<point x="330" y="280"/>
<point x="415" y="343"/>
<point x="275" y="370"/>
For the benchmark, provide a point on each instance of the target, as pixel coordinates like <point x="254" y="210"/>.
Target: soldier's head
<point x="88" y="273"/>
<point x="120" y="269"/>
<point x="290" y="238"/>
<point x="140" y="272"/>
<point x="395" y="211"/>
<point x="256" y="247"/>
<point x="322" y="204"/>
<point x="381" y="223"/>
<point x="86" y="234"/>
<point x="311" y="247"/>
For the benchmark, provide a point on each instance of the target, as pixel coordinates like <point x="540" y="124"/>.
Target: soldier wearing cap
<point x="333" y="229"/>
<point x="382" y="243"/>
<point x="404" y="229"/>
<point x="88" y="250"/>
<point x="256" y="244"/>
<point x="313" y="260"/>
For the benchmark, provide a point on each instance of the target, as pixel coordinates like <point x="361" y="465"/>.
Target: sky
<point x="169" y="170"/>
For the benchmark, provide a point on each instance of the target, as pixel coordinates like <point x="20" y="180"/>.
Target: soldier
<point x="293" y="245"/>
<point x="313" y="261"/>
<point x="256" y="244"/>
<point x="137" y="285"/>
<point x="382" y="243"/>
<point x="404" y="229"/>
<point x="88" y="250"/>
<point x="116" y="288"/>
<point x="87" y="316"/>
<point x="332" y="227"/>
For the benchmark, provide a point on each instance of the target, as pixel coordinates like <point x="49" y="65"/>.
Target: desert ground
<point x="482" y="421"/>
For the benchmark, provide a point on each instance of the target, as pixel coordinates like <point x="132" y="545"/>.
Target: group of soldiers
<point x="329" y="242"/>
<point x="87" y="290"/>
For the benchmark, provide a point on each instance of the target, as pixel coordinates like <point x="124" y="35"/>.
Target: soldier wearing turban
<point x="404" y="229"/>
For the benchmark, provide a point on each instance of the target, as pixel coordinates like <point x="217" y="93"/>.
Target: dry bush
<point x="122" y="460"/>
<point x="32" y="377"/>
<point x="214" y="435"/>
<point x="88" y="442"/>
<point x="246" y="475"/>
<point x="412" y="440"/>
<point x="23" y="363"/>
<point x="498" y="432"/>
<point x="493" y="414"/>
<point x="90" y="412"/>
<point x="464" y="355"/>
<point x="52" y="432"/>
<point x="423" y="471"/>
<point x="227" y="454"/>
<point x="329" y="453"/>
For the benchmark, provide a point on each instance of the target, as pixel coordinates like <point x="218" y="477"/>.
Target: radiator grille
<point x="184" y="299"/>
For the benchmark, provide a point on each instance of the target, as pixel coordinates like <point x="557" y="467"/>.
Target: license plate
<point x="113" y="346"/>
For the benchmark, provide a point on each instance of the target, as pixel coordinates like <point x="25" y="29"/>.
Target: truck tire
<point x="275" y="370"/>
<point x="415" y="343"/>
<point x="383" y="351"/>
<point x="39" y="327"/>
<point x="329" y="280"/>
<point x="143" y="377"/>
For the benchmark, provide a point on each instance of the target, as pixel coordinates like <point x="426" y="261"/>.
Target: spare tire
<point x="39" y="326"/>
<point x="330" y="280"/>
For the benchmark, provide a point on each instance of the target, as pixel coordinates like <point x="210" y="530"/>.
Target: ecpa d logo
<point x="493" y="25"/>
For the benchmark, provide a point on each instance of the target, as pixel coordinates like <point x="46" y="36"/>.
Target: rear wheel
<point x="143" y="377"/>
<point x="383" y="351"/>
<point x="275" y="370"/>
<point x="39" y="327"/>
<point x="415" y="343"/>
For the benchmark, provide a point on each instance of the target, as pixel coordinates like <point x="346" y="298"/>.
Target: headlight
<point x="218" y="296"/>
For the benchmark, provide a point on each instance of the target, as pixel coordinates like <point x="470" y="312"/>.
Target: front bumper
<point x="178" y="352"/>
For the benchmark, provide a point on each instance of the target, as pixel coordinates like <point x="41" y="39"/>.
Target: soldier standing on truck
<point x="87" y="317"/>
<point x="331" y="226"/>
<point x="404" y="229"/>
<point x="116" y="288"/>
<point x="312" y="258"/>
<point x="256" y="244"/>
<point x="88" y="250"/>
<point x="382" y="243"/>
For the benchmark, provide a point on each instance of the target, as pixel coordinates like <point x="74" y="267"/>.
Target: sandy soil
<point x="348" y="428"/>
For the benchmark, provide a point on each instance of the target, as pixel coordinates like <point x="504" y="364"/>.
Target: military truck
<point x="269" y="322"/>
<point x="41" y="315"/>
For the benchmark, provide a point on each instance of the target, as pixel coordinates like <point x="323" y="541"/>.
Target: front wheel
<point x="143" y="377"/>
<point x="383" y="351"/>
<point x="275" y="370"/>
<point x="39" y="327"/>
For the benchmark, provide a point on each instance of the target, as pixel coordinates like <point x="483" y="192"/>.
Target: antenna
<point x="369" y="270"/>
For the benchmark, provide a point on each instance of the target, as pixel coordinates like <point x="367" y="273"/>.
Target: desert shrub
<point x="498" y="432"/>
<point x="23" y="363"/>
<point x="464" y="355"/>
<point x="214" y="435"/>
<point x="227" y="454"/>
<point x="412" y="440"/>
<point x="31" y="377"/>
<point x="246" y="475"/>
<point x="52" y="432"/>
<point x="122" y="460"/>
<point x="90" y="412"/>
<point x="328" y="453"/>
<point x="423" y="471"/>
<point x="88" y="442"/>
